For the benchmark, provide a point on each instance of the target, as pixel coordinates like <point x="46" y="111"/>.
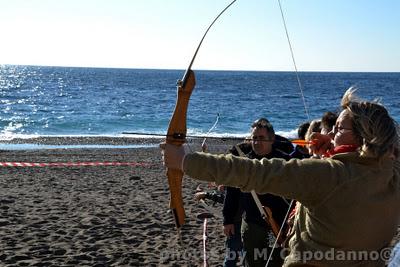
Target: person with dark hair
<point x="301" y="152"/>
<point x="257" y="234"/>
<point x="328" y="120"/>
<point x="302" y="130"/>
<point x="349" y="202"/>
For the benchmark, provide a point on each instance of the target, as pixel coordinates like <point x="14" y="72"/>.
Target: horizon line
<point x="200" y="69"/>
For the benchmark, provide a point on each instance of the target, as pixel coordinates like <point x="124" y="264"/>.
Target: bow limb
<point x="176" y="135"/>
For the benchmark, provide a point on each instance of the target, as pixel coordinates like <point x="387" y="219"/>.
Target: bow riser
<point x="176" y="135"/>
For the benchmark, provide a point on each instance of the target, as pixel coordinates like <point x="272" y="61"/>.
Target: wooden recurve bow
<point x="176" y="133"/>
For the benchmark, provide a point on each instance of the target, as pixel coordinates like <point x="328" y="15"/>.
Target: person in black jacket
<point x="256" y="233"/>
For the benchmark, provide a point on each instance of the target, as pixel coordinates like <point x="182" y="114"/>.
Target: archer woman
<point x="349" y="202"/>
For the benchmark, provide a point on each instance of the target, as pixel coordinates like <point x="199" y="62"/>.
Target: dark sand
<point x="98" y="215"/>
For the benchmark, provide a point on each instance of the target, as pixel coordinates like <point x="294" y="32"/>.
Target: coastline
<point x="215" y="145"/>
<point x="82" y="140"/>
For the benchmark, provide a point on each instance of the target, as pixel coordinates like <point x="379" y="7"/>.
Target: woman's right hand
<point x="321" y="143"/>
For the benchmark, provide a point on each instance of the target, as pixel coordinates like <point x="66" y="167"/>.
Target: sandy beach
<point x="98" y="215"/>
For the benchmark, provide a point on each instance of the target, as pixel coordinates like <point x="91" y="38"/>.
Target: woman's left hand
<point x="173" y="156"/>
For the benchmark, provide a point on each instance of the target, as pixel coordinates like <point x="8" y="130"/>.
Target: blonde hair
<point x="372" y="125"/>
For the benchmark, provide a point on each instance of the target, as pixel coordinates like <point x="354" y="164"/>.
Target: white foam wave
<point x="7" y="135"/>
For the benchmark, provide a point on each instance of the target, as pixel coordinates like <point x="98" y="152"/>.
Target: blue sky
<point x="326" y="35"/>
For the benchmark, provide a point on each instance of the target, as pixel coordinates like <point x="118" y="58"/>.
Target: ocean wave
<point x="4" y="136"/>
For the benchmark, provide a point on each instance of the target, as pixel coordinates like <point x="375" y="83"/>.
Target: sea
<point x="76" y="101"/>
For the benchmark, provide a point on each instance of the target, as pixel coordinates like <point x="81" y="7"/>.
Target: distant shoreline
<point x="82" y="140"/>
<point x="105" y="142"/>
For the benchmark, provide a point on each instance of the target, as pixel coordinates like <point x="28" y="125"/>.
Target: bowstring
<point x="307" y="114"/>
<point x="203" y="144"/>
<point x="294" y="61"/>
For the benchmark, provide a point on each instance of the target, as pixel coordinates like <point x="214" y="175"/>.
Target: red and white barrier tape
<point x="71" y="164"/>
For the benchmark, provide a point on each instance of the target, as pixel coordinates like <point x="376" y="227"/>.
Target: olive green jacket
<point x="350" y="205"/>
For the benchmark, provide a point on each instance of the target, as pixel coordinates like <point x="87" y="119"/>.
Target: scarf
<point x="341" y="149"/>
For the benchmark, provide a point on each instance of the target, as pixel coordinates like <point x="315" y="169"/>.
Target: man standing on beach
<point x="256" y="233"/>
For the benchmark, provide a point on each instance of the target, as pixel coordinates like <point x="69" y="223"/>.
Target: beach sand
<point x="99" y="215"/>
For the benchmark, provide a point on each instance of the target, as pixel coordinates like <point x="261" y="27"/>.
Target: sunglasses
<point x="340" y="129"/>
